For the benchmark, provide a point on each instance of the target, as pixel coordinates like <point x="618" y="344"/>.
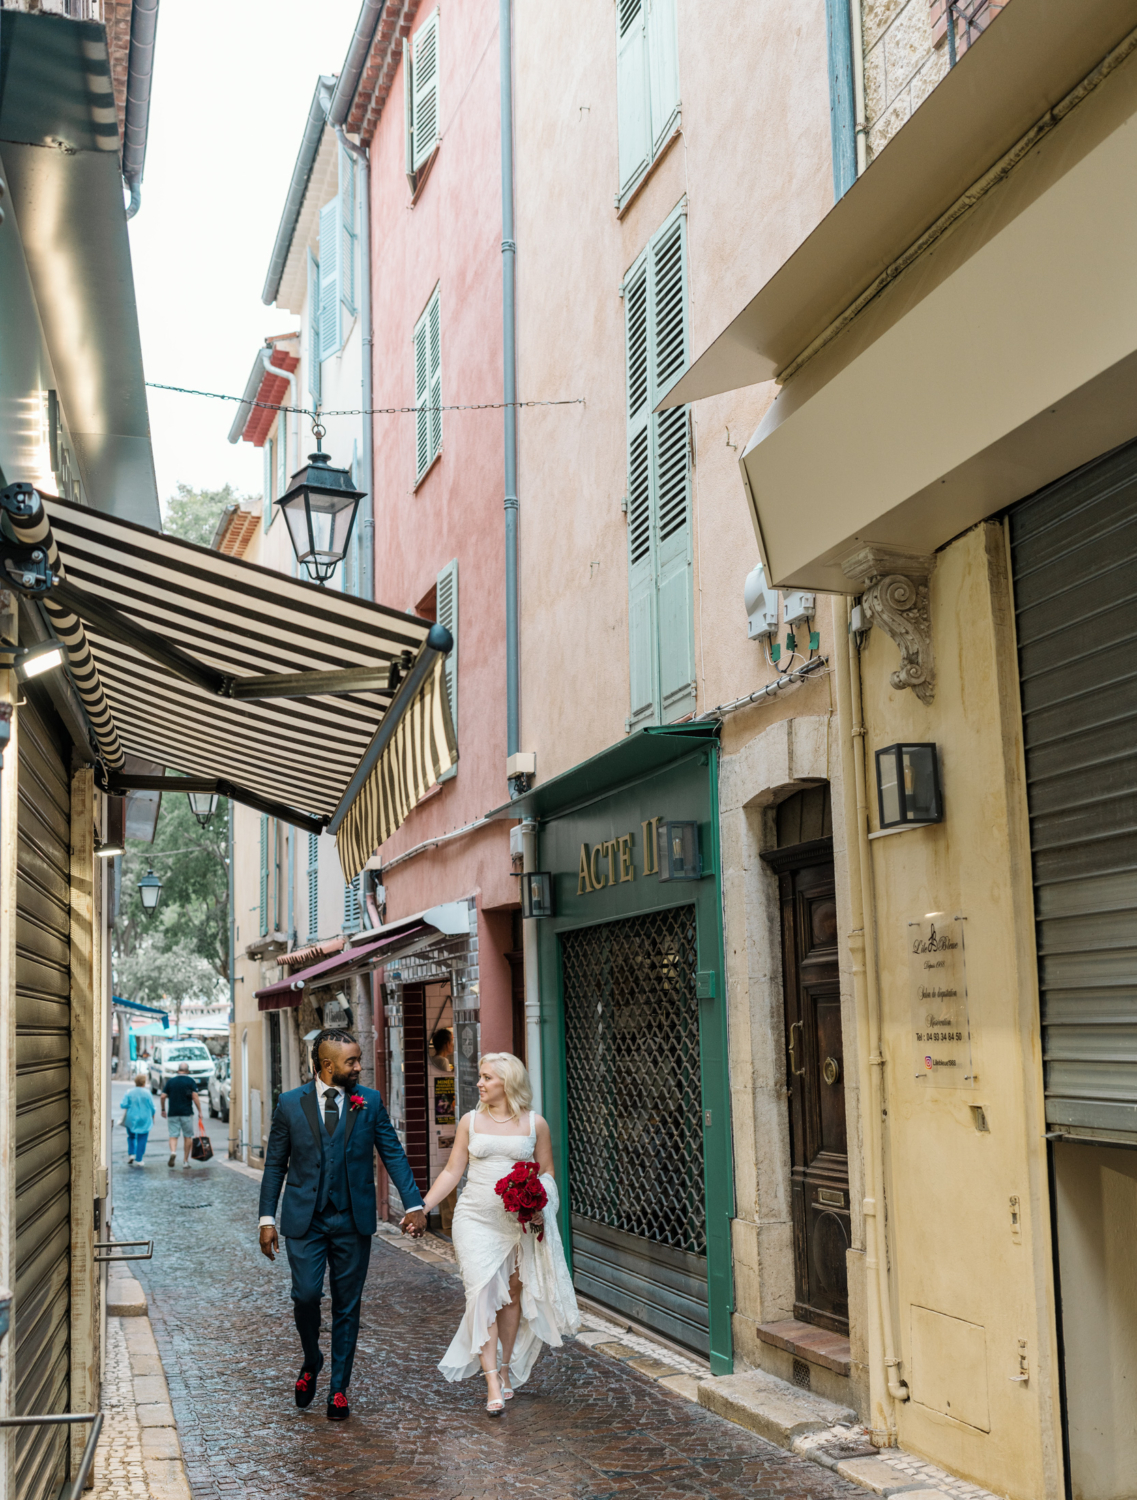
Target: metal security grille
<point x="1074" y="556"/>
<point x="634" y="1097"/>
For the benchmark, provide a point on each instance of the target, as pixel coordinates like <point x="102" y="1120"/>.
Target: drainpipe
<point x="140" y="75"/>
<point x="532" y="982"/>
<point x="885" y="1384"/>
<point x="366" y="505"/>
<point x="293" y="399"/>
<point x="509" y="391"/>
<point x="860" y="125"/>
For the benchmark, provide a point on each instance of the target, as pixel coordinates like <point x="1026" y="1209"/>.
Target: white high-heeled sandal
<point x="506" y="1388"/>
<point x="495" y="1405"/>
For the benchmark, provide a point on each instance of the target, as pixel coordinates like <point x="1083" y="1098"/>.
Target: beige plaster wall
<point x="971" y="1285"/>
<point x="753" y="162"/>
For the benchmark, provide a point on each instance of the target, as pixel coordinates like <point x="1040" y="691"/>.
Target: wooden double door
<point x="815" y="1080"/>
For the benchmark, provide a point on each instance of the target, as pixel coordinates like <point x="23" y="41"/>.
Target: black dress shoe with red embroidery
<point x="338" y="1409"/>
<point x="306" y="1388"/>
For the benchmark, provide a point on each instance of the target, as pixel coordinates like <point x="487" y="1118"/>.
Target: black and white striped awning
<point x="277" y="690"/>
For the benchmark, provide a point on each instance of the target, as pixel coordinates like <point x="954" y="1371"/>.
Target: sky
<point x="233" y="81"/>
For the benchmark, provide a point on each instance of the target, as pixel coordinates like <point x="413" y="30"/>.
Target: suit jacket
<point x="296" y="1152"/>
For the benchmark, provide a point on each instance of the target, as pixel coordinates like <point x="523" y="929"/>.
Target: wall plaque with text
<point x="942" y="1033"/>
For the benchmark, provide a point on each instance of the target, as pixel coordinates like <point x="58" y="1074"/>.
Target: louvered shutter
<point x="347" y="230"/>
<point x="671" y="474"/>
<point x="446" y="613"/>
<point x="312" y="343"/>
<point x="642" y="649"/>
<point x="424" y="91"/>
<point x="313" y="887"/>
<point x="330" y="251"/>
<point x="352" y="918"/>
<point x="422" y="396"/>
<point x="663" y="68"/>
<point x="434" y="317"/>
<point x="632" y="104"/>
<point x="263" y="913"/>
<point x="282" y="474"/>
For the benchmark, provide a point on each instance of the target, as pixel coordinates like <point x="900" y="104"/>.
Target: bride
<point x="518" y="1291"/>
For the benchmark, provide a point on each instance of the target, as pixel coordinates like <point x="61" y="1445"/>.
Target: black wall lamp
<point x="677" y="850"/>
<point x="537" y="894"/>
<point x="319" y="506"/>
<point x="908" y="786"/>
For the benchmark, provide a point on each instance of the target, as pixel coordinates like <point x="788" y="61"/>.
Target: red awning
<point x="286" y="993"/>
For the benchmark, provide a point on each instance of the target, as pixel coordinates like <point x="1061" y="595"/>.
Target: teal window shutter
<point x="312" y="341"/>
<point x="446" y="613"/>
<point x="428" y="385"/>
<point x="671" y="474"/>
<point x="633" y="116"/>
<point x="352" y="917"/>
<point x="347" y="230"/>
<point x="424" y="92"/>
<point x="662" y="69"/>
<point x="282" y="474"/>
<point x="642" y="635"/>
<point x="270" y="477"/>
<point x="264" y="876"/>
<point x="660" y="585"/>
<point x="313" y="887"/>
<point x="330" y="253"/>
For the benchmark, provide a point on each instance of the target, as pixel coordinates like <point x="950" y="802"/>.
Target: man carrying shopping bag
<point x="180" y="1103"/>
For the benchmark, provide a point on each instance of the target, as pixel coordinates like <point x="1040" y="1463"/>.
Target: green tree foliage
<point x="168" y="977"/>
<point x="193" y="914"/>
<point x="193" y="514"/>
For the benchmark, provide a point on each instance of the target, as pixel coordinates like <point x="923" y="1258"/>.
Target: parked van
<point x="169" y="1056"/>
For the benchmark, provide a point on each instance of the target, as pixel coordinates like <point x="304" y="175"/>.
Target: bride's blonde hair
<point x="512" y="1072"/>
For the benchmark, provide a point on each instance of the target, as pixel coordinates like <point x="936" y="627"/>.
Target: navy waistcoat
<point x="333" y="1190"/>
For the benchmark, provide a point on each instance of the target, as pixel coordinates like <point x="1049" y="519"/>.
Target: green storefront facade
<point x="634" y="1036"/>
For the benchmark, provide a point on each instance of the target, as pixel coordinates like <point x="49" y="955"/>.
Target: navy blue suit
<point x="329" y="1214"/>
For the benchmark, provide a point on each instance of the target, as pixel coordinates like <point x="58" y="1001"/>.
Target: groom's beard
<point x="344" y="1080"/>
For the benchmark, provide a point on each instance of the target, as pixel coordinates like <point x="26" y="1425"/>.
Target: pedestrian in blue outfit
<point x="138" y="1116"/>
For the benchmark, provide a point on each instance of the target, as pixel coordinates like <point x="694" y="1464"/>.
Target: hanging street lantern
<point x="320" y="506"/>
<point x="203" y="805"/>
<point x="150" y="890"/>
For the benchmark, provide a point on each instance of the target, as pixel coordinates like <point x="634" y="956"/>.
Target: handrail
<point x="57" y="1419"/>
<point x="104" y="1260"/>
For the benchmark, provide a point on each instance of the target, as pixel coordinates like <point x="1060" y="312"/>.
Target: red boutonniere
<point x="357" y="1101"/>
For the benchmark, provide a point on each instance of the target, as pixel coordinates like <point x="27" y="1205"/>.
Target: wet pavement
<point x="584" y="1427"/>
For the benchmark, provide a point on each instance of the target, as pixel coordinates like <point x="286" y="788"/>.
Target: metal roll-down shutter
<point x="1074" y="560"/>
<point x="43" y="1104"/>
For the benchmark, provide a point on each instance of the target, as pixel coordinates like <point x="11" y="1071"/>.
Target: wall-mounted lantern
<point x="677" y="846"/>
<point x="537" y="894"/>
<point x="908" y="786"/>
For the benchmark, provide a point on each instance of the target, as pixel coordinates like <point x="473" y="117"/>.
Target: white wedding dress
<point x="489" y="1245"/>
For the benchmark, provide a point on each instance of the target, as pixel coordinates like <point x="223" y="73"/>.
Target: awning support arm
<point x="111" y="621"/>
<point x="438" y="643"/>
<point x="120" y="783"/>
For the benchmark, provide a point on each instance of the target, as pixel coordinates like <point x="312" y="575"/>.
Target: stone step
<point x="772" y="1408"/>
<point x="125" y="1298"/>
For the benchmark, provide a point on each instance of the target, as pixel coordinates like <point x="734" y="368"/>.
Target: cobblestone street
<point x="584" y="1426"/>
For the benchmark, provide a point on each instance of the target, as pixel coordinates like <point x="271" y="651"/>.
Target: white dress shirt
<point x="322" y="1090"/>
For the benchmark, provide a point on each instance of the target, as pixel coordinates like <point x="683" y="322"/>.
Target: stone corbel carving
<point x="895" y="596"/>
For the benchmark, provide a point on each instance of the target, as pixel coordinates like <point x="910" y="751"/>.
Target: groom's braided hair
<point x="329" y="1034"/>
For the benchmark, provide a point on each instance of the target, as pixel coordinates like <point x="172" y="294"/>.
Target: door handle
<point x="795" y="1071"/>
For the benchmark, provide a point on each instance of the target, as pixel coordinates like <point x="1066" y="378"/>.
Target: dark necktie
<point x="331" y="1113"/>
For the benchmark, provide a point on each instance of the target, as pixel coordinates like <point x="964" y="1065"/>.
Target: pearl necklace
<point x="500" y="1122"/>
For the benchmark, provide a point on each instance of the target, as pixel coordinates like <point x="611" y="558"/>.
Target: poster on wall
<point x="466" y="1051"/>
<point x="444" y="1100"/>
<point x="940" y="1024"/>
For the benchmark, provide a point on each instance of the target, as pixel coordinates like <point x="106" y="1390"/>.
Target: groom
<point x="323" y="1136"/>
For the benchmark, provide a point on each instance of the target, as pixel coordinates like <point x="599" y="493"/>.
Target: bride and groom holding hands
<point x="321" y="1153"/>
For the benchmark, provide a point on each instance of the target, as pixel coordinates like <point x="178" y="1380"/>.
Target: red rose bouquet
<point x="521" y="1193"/>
